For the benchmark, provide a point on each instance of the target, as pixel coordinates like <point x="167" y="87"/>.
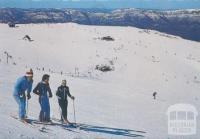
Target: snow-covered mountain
<point x="114" y="104"/>
<point x="184" y="23"/>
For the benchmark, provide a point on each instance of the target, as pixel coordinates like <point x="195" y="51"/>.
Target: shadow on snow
<point x="109" y="130"/>
<point x="100" y="129"/>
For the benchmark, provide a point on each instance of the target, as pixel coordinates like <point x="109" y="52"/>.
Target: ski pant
<point x="21" y="101"/>
<point x="63" y="105"/>
<point x="45" y="109"/>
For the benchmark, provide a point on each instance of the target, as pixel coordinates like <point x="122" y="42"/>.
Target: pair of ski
<point x="72" y="125"/>
<point x="33" y="123"/>
<point x="30" y="123"/>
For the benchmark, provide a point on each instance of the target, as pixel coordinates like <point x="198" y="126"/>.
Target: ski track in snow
<point x="116" y="104"/>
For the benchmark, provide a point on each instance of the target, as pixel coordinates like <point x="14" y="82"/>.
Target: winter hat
<point x="29" y="73"/>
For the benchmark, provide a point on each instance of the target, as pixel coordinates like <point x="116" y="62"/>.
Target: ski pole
<point x="26" y="108"/>
<point x="74" y="112"/>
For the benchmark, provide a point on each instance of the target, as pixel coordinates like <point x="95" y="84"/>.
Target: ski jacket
<point x="62" y="93"/>
<point x="42" y="89"/>
<point x="22" y="84"/>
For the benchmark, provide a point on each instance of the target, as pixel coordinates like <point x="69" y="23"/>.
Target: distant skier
<point x="154" y="95"/>
<point x="43" y="90"/>
<point x="23" y="84"/>
<point x="62" y="93"/>
<point x="27" y="37"/>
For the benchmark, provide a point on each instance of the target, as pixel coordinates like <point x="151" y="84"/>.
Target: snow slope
<point x="116" y="104"/>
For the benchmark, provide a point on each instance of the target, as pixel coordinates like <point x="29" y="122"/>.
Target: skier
<point x="154" y="95"/>
<point x="43" y="90"/>
<point x="22" y="85"/>
<point x="27" y="37"/>
<point x="62" y="93"/>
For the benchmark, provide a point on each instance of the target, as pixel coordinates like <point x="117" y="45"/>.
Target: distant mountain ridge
<point x="183" y="23"/>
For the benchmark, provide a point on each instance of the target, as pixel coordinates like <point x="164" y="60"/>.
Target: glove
<point x="28" y="96"/>
<point x="22" y="95"/>
<point x="58" y="97"/>
<point x="73" y="97"/>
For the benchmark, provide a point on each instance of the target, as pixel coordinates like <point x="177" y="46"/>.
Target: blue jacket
<point x="21" y="85"/>
<point x="42" y="89"/>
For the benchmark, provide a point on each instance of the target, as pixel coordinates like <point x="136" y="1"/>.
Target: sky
<point x="106" y="4"/>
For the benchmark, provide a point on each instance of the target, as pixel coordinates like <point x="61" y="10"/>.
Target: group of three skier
<point x="43" y="90"/>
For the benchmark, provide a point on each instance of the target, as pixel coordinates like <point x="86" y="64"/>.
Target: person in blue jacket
<point x="43" y="90"/>
<point x="22" y="85"/>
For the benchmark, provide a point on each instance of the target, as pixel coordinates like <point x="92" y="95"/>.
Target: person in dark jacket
<point x="154" y="95"/>
<point x="22" y="85"/>
<point x="62" y="93"/>
<point x="43" y="90"/>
